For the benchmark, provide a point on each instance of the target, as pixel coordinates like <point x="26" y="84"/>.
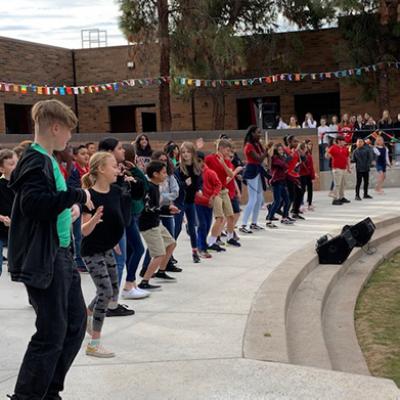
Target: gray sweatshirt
<point x="169" y="191"/>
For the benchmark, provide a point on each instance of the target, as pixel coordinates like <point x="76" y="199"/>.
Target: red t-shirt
<point x="231" y="184"/>
<point x="346" y="131"/>
<point x="248" y="149"/>
<point x="340" y="156"/>
<point x="293" y="162"/>
<point x="213" y="163"/>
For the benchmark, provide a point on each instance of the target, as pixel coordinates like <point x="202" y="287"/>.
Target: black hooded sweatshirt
<point x="33" y="239"/>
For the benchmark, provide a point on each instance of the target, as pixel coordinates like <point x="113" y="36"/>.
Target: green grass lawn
<point x="378" y="320"/>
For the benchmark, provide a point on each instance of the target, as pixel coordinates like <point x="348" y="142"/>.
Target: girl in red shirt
<point x="307" y="173"/>
<point x="255" y="155"/>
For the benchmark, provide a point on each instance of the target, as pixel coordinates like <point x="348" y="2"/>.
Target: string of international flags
<point x="63" y="90"/>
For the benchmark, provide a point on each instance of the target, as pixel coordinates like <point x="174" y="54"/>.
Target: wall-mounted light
<point x="131" y="64"/>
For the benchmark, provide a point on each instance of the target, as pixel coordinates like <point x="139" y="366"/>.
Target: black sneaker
<point x="291" y="219"/>
<point x="173" y="268"/>
<point x="233" y="242"/>
<point x="174" y="260"/>
<point x="121" y="311"/>
<point x="337" y="203"/>
<point x="144" y="285"/>
<point x="244" y="229"/>
<point x="216" y="248"/>
<point x="220" y="242"/>
<point x="344" y="200"/>
<point x="358" y="198"/>
<point x="235" y="236"/>
<point x="196" y="257"/>
<point x="164" y="275"/>
<point x="298" y="216"/>
<point x="256" y="227"/>
<point x="271" y="225"/>
<point x="367" y="196"/>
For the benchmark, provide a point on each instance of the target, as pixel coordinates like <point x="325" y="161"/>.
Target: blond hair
<point x="192" y="150"/>
<point x="47" y="112"/>
<point x="97" y="161"/>
<point x="224" y="144"/>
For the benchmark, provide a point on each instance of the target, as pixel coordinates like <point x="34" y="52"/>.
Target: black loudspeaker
<point x="362" y="232"/>
<point x="269" y="113"/>
<point x="335" y="250"/>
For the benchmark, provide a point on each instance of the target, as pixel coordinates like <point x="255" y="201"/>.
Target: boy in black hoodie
<point x="40" y="254"/>
<point x="363" y="158"/>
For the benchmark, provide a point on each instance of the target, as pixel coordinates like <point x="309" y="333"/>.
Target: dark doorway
<point x="248" y="109"/>
<point x="18" y="119"/>
<point x="122" y="119"/>
<point x="317" y="104"/>
<point x="149" y="122"/>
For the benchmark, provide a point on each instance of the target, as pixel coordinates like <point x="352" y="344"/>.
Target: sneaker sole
<point x="136" y="298"/>
<point x="99" y="355"/>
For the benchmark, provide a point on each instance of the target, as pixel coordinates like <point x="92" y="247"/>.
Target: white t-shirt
<point x="309" y="124"/>
<point x="333" y="128"/>
<point x="322" y="134"/>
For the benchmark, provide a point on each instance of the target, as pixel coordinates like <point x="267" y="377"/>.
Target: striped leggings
<point x="103" y="271"/>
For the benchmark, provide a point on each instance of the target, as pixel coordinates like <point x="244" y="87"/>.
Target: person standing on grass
<point x="255" y="154"/>
<point x="362" y="157"/>
<point x="339" y="154"/>
<point x="40" y="255"/>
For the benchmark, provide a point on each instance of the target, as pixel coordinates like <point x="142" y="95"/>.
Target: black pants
<point x="360" y="177"/>
<point x="60" y="329"/>
<point x="307" y="184"/>
<point x="295" y="195"/>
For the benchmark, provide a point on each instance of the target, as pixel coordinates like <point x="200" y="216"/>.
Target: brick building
<point x="136" y="109"/>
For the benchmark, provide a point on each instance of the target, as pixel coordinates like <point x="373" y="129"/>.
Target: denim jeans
<point x="134" y="248"/>
<point x="121" y="258"/>
<point x="189" y="210"/>
<point x="77" y="231"/>
<point x="281" y="196"/>
<point x="169" y="223"/>
<point x="255" y="201"/>
<point x="60" y="329"/>
<point x="204" y="214"/>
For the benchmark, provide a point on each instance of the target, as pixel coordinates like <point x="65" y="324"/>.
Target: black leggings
<point x="307" y="184"/>
<point x="295" y="195"/>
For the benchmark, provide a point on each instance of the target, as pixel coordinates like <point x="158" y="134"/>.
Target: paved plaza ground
<point x="185" y="342"/>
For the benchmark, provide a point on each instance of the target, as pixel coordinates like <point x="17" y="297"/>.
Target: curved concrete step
<point x="265" y="337"/>
<point x="338" y="316"/>
<point x="305" y="331"/>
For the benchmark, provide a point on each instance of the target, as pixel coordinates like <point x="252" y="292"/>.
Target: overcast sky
<point x="59" y="22"/>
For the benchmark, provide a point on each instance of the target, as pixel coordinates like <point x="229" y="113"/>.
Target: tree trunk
<point x="383" y="89"/>
<point x="165" y="49"/>
<point x="219" y="108"/>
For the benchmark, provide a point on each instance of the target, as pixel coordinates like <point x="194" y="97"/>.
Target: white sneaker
<point x="135" y="294"/>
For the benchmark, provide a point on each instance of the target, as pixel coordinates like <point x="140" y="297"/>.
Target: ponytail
<point x="87" y="181"/>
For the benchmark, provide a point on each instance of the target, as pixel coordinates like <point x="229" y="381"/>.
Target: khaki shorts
<point x="222" y="205"/>
<point x="157" y="240"/>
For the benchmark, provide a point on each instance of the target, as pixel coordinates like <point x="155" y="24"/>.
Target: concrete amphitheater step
<point x="338" y="317"/>
<point x="265" y="336"/>
<point x="305" y="331"/>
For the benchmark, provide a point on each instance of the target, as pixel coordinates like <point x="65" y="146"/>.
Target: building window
<point x="18" y="119"/>
<point x="317" y="104"/>
<point x="248" y="111"/>
<point x="122" y="119"/>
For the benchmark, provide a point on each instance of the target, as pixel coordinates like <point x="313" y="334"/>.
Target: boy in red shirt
<point x="339" y="154"/>
<point x="204" y="205"/>
<point x="222" y="166"/>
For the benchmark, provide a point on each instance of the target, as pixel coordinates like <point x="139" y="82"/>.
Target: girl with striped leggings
<point x="102" y="229"/>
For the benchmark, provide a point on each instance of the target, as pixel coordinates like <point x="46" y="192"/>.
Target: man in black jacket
<point x="362" y="157"/>
<point x="40" y="254"/>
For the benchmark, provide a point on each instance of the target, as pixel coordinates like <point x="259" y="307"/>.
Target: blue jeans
<point x="281" y="195"/>
<point x="189" y="210"/>
<point x="2" y="243"/>
<point x="134" y="249"/>
<point x="205" y="220"/>
<point x="121" y="258"/>
<point x="76" y="228"/>
<point x="169" y="223"/>
<point x="256" y="198"/>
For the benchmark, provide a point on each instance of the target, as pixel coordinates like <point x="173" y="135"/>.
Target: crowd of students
<point x="125" y="203"/>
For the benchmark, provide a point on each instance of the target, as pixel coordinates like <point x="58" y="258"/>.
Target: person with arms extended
<point x="40" y="254"/>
